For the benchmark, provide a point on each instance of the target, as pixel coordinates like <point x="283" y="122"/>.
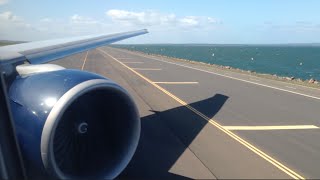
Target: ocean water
<point x="299" y="61"/>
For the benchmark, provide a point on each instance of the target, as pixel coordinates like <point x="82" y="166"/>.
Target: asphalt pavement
<point x="204" y="123"/>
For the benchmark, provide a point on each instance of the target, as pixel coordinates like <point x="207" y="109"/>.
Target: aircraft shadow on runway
<point x="165" y="136"/>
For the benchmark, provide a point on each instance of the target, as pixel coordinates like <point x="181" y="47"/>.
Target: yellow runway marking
<point x="251" y="147"/>
<point x="255" y="128"/>
<point x="147" y="69"/>
<point x="134" y="62"/>
<point x="176" y="82"/>
<point x="84" y="61"/>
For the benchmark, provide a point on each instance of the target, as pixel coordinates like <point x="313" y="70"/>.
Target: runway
<point x="201" y="123"/>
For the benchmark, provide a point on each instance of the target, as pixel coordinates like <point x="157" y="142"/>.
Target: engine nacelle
<point x="74" y="124"/>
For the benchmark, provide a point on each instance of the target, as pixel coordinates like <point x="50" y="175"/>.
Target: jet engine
<point x="73" y="124"/>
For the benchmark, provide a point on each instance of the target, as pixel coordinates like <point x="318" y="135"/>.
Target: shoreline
<point x="311" y="83"/>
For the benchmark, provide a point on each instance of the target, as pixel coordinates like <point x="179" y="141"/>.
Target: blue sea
<point x="299" y="61"/>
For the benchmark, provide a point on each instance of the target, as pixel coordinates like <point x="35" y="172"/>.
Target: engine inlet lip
<point x="54" y="117"/>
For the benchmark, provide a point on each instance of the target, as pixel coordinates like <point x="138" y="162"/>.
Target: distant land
<point x="8" y="42"/>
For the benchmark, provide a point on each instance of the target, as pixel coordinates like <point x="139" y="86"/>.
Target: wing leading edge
<point x="46" y="51"/>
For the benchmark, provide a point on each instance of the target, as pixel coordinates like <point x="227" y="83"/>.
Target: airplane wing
<point x="46" y="51"/>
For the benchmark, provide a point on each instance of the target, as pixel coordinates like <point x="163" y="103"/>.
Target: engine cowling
<point x="73" y="124"/>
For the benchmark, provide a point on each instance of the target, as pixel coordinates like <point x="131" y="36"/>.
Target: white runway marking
<point x="256" y="128"/>
<point x="125" y="58"/>
<point x="176" y="82"/>
<point x="133" y="62"/>
<point x="147" y="69"/>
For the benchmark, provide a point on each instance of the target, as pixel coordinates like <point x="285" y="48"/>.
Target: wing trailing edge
<point x="46" y="51"/>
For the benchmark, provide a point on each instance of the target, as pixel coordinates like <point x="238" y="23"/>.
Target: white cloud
<point x="3" y="2"/>
<point x="46" y="20"/>
<point x="126" y="15"/>
<point x="149" y="18"/>
<point x="77" y="19"/>
<point x="9" y="16"/>
<point x="189" y="21"/>
<point x="10" y="20"/>
<point x="213" y="20"/>
<point x="154" y="18"/>
<point x="12" y="26"/>
<point x="298" y="26"/>
<point x="163" y="27"/>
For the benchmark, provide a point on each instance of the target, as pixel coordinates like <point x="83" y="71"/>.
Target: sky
<point x="168" y="21"/>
